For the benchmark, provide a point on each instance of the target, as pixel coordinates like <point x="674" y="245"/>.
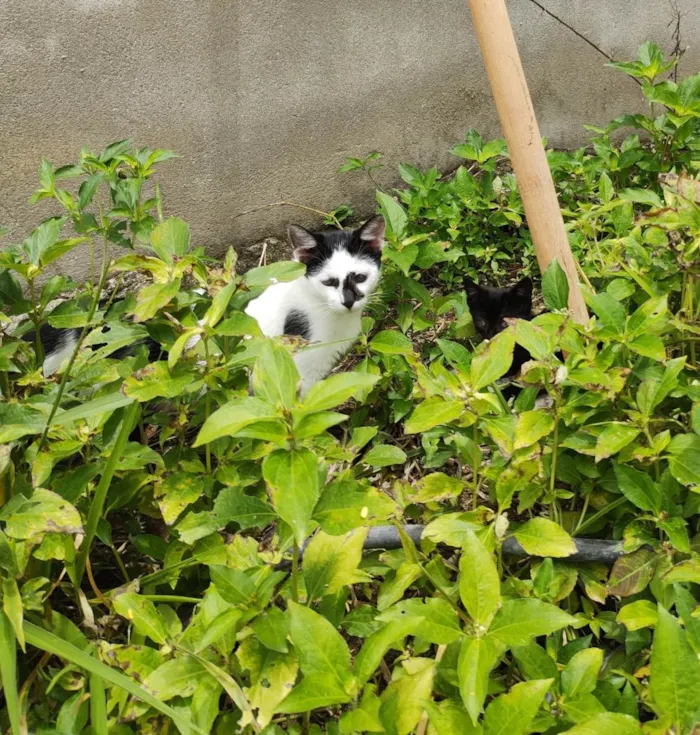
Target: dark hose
<point x="587" y="549"/>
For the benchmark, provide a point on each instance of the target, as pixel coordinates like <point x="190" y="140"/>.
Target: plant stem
<point x="36" y="318"/>
<point x="81" y="337"/>
<point x="98" y="499"/>
<point x="602" y="512"/>
<point x="295" y="572"/>
<point x="553" y="463"/>
<point x="475" y="467"/>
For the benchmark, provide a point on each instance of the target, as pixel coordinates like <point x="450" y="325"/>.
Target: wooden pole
<point x="522" y="134"/>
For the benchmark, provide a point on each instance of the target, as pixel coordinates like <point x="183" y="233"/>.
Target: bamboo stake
<point x="517" y="116"/>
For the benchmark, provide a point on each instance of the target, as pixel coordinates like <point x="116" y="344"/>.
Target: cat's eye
<point x="360" y="278"/>
<point x="331" y="282"/>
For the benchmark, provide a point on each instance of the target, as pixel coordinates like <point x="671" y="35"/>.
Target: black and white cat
<point x="325" y="305"/>
<point x="490" y="307"/>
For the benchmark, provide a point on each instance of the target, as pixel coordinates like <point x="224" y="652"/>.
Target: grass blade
<point x="8" y="671"/>
<point x="47" y="641"/>
<point x="98" y="705"/>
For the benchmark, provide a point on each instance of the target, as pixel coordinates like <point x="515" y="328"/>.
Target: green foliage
<point x="152" y="514"/>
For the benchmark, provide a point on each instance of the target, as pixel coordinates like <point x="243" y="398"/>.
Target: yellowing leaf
<point x="542" y="537"/>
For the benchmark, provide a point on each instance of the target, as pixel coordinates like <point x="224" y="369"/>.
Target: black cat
<point x="490" y="307"/>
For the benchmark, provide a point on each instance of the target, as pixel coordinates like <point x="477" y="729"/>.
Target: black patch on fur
<point x="329" y="242"/>
<point x="490" y="307"/>
<point x="296" y="324"/>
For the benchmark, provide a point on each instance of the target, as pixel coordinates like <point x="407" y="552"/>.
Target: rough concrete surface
<point x="265" y="99"/>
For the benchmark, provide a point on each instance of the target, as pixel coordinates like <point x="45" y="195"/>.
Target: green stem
<point x="98" y="499"/>
<point x="8" y="672"/>
<point x="475" y="467"/>
<point x="83" y="334"/>
<point x="553" y="463"/>
<point x="583" y="513"/>
<point x="295" y="572"/>
<point x="36" y="318"/>
<point x="602" y="512"/>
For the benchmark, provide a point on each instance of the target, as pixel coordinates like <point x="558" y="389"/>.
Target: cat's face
<point x="490" y="307"/>
<point x="342" y="266"/>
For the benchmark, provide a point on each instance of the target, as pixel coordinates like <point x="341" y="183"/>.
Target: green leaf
<point x="336" y="390"/>
<point x="171" y="238"/>
<point x="157" y="380"/>
<point x="648" y="345"/>
<point x="534" y="662"/>
<point x="607" y="723"/>
<point x="531" y="426"/>
<point x="519" y="621"/>
<point x="391" y="342"/>
<point x="613" y="438"/>
<point x="234" y="585"/>
<point x="238" y="324"/>
<point x="143" y="614"/>
<point x="555" y="287"/>
<point x="632" y="573"/>
<point x="44" y="512"/>
<point x="46" y="641"/>
<point x="233" y="417"/>
<point x="638" y="614"/>
<point x="432" y="413"/>
<point x="293" y="482"/>
<point x="384" y="455"/>
<point x="449" y="718"/>
<point x="610" y="312"/>
<point x="315" y="423"/>
<point x="176" y="492"/>
<point x="581" y="673"/>
<point x="512" y="713"/>
<point x="641" y="196"/>
<point x="346" y="504"/>
<point x="477" y="657"/>
<point x="232" y="504"/>
<point x="279" y="272"/>
<point x="377" y="644"/>
<point x="395" y="215"/>
<point x="638" y="488"/>
<point x="97" y="407"/>
<point x="12" y="607"/>
<point x="437" y="486"/>
<point x="320" y="648"/>
<point x="493" y="362"/>
<point x="534" y="339"/>
<point x="330" y="562"/>
<point x="402" y="701"/>
<point x="177" y="677"/>
<point x="150" y="299"/>
<point x="542" y="537"/>
<point x="314" y="691"/>
<point x="685" y="467"/>
<point x="41" y="239"/>
<point x="218" y="305"/>
<point x="275" y="375"/>
<point x="675" y="673"/>
<point x="433" y="619"/>
<point x="272" y="675"/>
<point x="479" y="582"/>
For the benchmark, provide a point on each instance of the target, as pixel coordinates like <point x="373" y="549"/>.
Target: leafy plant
<point x="182" y="539"/>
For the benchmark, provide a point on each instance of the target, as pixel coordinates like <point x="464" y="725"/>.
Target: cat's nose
<point x="348" y="304"/>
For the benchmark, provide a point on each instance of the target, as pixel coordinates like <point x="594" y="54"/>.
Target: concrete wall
<point x="265" y="98"/>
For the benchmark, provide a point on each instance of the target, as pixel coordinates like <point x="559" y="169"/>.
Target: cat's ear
<point x="472" y="289"/>
<point x="521" y="293"/>
<point x="302" y="241"/>
<point x="372" y="233"/>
